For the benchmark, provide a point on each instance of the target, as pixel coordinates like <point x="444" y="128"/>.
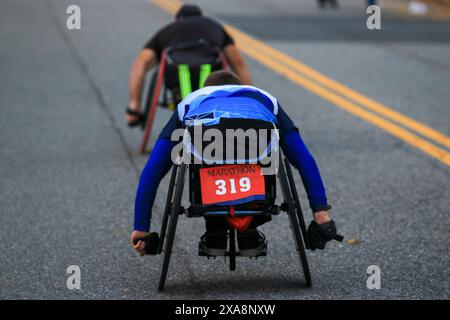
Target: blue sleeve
<point x="299" y="156"/>
<point x="170" y="126"/>
<point x="155" y="169"/>
<point x="285" y="124"/>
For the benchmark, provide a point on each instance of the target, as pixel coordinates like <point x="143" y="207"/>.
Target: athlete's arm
<point x="238" y="64"/>
<point x="154" y="171"/>
<point x="144" y="62"/>
<point x="299" y="156"/>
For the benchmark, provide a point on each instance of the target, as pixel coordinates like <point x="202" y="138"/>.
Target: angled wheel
<point x="166" y="215"/>
<point x="298" y="207"/>
<point x="148" y="101"/>
<point x="294" y="224"/>
<point x="153" y="103"/>
<point x="232" y="238"/>
<point x="174" y="213"/>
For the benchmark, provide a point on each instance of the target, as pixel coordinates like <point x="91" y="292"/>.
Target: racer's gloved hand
<point x="320" y="234"/>
<point x="145" y="243"/>
<point x="134" y="118"/>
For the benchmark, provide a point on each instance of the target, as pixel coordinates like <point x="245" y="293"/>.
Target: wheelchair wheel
<point x="148" y="101"/>
<point x="298" y="207"/>
<point x="232" y="237"/>
<point x="294" y="224"/>
<point x="174" y="213"/>
<point x="300" y="247"/>
<point x="166" y="215"/>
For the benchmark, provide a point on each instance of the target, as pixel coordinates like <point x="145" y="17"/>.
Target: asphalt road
<point x="69" y="166"/>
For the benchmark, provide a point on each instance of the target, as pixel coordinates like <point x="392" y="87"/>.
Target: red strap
<point x="238" y="223"/>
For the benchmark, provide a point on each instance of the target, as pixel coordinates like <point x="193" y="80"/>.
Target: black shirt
<point x="189" y="29"/>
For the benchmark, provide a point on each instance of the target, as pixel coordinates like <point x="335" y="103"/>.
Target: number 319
<point x="244" y="186"/>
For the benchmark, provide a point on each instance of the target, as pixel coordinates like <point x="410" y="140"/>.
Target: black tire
<point x="166" y="215"/>
<point x="148" y="101"/>
<point x="298" y="207"/>
<point x="300" y="248"/>
<point x="294" y="224"/>
<point x="175" y="212"/>
<point x="232" y="234"/>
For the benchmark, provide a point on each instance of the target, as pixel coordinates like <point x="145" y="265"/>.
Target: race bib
<point x="231" y="183"/>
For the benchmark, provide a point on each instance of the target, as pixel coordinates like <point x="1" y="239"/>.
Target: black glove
<point x="134" y="113"/>
<point x="320" y="234"/>
<point x="151" y="243"/>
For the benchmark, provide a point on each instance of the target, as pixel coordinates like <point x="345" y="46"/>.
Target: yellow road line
<point x="370" y="104"/>
<point x="302" y="75"/>
<point x="350" y="107"/>
<point x="169" y="6"/>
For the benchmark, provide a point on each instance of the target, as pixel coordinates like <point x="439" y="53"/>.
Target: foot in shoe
<point x="251" y="242"/>
<point x="213" y="243"/>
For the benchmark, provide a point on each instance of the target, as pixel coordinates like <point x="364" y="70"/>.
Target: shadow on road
<point x="250" y="285"/>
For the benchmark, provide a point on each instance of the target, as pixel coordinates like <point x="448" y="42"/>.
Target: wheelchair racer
<point x="251" y="241"/>
<point x="189" y="25"/>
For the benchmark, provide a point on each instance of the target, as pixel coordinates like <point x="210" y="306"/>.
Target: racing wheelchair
<point x="183" y="68"/>
<point x="254" y="194"/>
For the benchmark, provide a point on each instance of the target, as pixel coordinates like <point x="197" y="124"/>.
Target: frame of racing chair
<point x="154" y="92"/>
<point x="291" y="206"/>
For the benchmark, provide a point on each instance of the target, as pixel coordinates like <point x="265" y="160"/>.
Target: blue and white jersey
<point x="208" y="105"/>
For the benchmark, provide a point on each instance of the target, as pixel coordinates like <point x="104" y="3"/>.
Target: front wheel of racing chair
<point x="292" y="203"/>
<point x="173" y="209"/>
